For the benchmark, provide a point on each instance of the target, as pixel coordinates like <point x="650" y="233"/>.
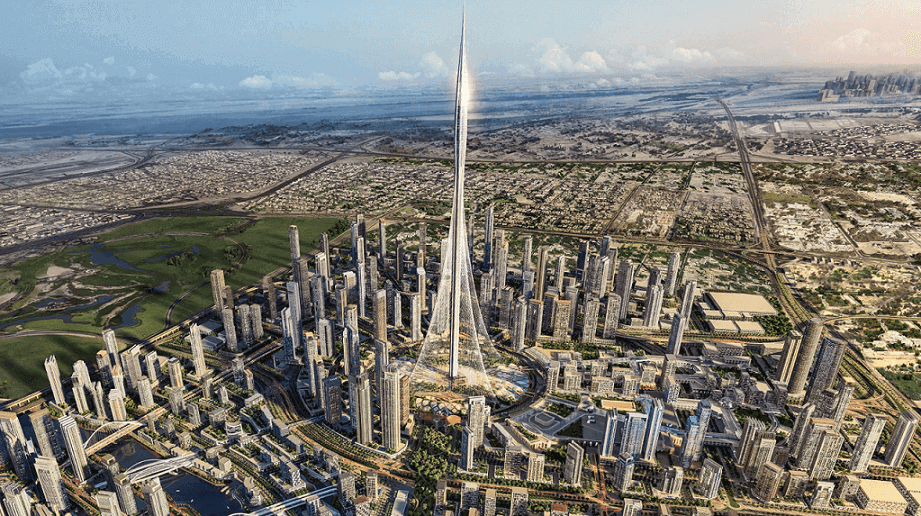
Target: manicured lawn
<point x="22" y="360"/>
<point x="909" y="384"/>
<point x="266" y="241"/>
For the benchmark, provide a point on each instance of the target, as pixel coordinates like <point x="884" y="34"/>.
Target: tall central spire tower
<point x="452" y="353"/>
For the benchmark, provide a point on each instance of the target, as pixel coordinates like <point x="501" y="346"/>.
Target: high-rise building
<point x="351" y="354"/>
<point x="671" y="274"/>
<point x="54" y="379"/>
<point x="535" y="319"/>
<point x="489" y="503"/>
<point x="900" y="438"/>
<point x="672" y="480"/>
<point x="611" y="316"/>
<point x="634" y="434"/>
<point x="43" y="428"/>
<point x="469" y="496"/>
<point x="125" y="494"/>
<point x="610" y="432"/>
<point x="157" y="505"/>
<point x="217" y="290"/>
<point x="131" y="361"/>
<point x="632" y="507"/>
<point x="519" y="324"/>
<point x="653" y="308"/>
<point x="768" y="482"/>
<point x="198" y="352"/>
<point x="812" y="437"/>
<point x="655" y="409"/>
<point x="543" y="256"/>
<point x="16" y="499"/>
<point x="676" y="334"/>
<point x="49" y="477"/>
<point x="708" y="482"/>
<point x="867" y="442"/>
<point x="364" y="425"/>
<point x="572" y="470"/>
<point x="821" y="497"/>
<point x="74" y="444"/>
<point x="623" y="472"/>
<point x="145" y="393"/>
<point x="826" y="456"/>
<point x="536" y="463"/>
<point x="380" y="314"/>
<point x="332" y="396"/>
<point x="467" y="449"/>
<point x="697" y="426"/>
<point x="390" y="409"/>
<point x="624" y="286"/>
<point x="107" y="501"/>
<point x="381" y="361"/>
<point x="117" y="407"/>
<point x="800" y="428"/>
<point x="477" y="418"/>
<point x="15" y="441"/>
<point x="346" y="485"/>
<point x="687" y="299"/>
<point x="759" y="452"/>
<point x="518" y="505"/>
<point x="805" y="357"/>
<point x="788" y="357"/>
<point x="827" y="362"/>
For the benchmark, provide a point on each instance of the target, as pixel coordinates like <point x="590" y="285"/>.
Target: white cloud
<point x="555" y="58"/>
<point x="397" y="76"/>
<point x="864" y="43"/>
<point x="729" y="54"/>
<point x="131" y="71"/>
<point x="85" y="73"/>
<point x="259" y="82"/>
<point x="692" y="55"/>
<point x="109" y="60"/>
<point x="317" y="80"/>
<point x="40" y="71"/>
<point x="200" y="86"/>
<point x="433" y="66"/>
<point x="151" y="77"/>
<point x="591" y="62"/>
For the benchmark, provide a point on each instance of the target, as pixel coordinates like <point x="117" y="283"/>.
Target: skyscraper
<point x="676" y="335"/>
<point x="198" y="352"/>
<point x="157" y="505"/>
<point x="708" y="482"/>
<point x="74" y="444"/>
<point x="827" y="362"/>
<point x="467" y="448"/>
<point x="788" y="357"/>
<point x="867" y="442"/>
<point x="572" y="470"/>
<point x="218" y="289"/>
<point x="653" y="307"/>
<point x="332" y="397"/>
<point x="768" y="482"/>
<point x="54" y="379"/>
<point x="634" y="434"/>
<point x="363" y="427"/>
<point x="45" y="433"/>
<point x="518" y="505"/>
<point x="477" y="418"/>
<point x="390" y="408"/>
<point x="900" y="438"/>
<point x="107" y="501"/>
<point x="671" y="275"/>
<point x="655" y="409"/>
<point x="125" y="494"/>
<point x="697" y="425"/>
<point x="624" y="286"/>
<point x="623" y="472"/>
<point x="456" y="329"/>
<point x="49" y="477"/>
<point x="805" y="357"/>
<point x="672" y="479"/>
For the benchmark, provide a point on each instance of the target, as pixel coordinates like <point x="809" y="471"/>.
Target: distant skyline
<point x="65" y="48"/>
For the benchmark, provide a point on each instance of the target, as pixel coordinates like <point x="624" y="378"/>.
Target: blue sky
<point x="57" y="46"/>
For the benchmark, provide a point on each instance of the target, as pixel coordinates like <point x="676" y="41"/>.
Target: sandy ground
<point x="54" y="271"/>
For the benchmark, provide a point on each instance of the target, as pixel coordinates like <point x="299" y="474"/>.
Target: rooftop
<point x="737" y="302"/>
<point x="881" y="491"/>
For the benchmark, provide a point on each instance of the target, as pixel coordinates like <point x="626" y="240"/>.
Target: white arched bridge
<point x="150" y="468"/>
<point x="290" y="503"/>
<point x="116" y="429"/>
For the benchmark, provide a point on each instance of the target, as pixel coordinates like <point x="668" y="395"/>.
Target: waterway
<point x="184" y="488"/>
